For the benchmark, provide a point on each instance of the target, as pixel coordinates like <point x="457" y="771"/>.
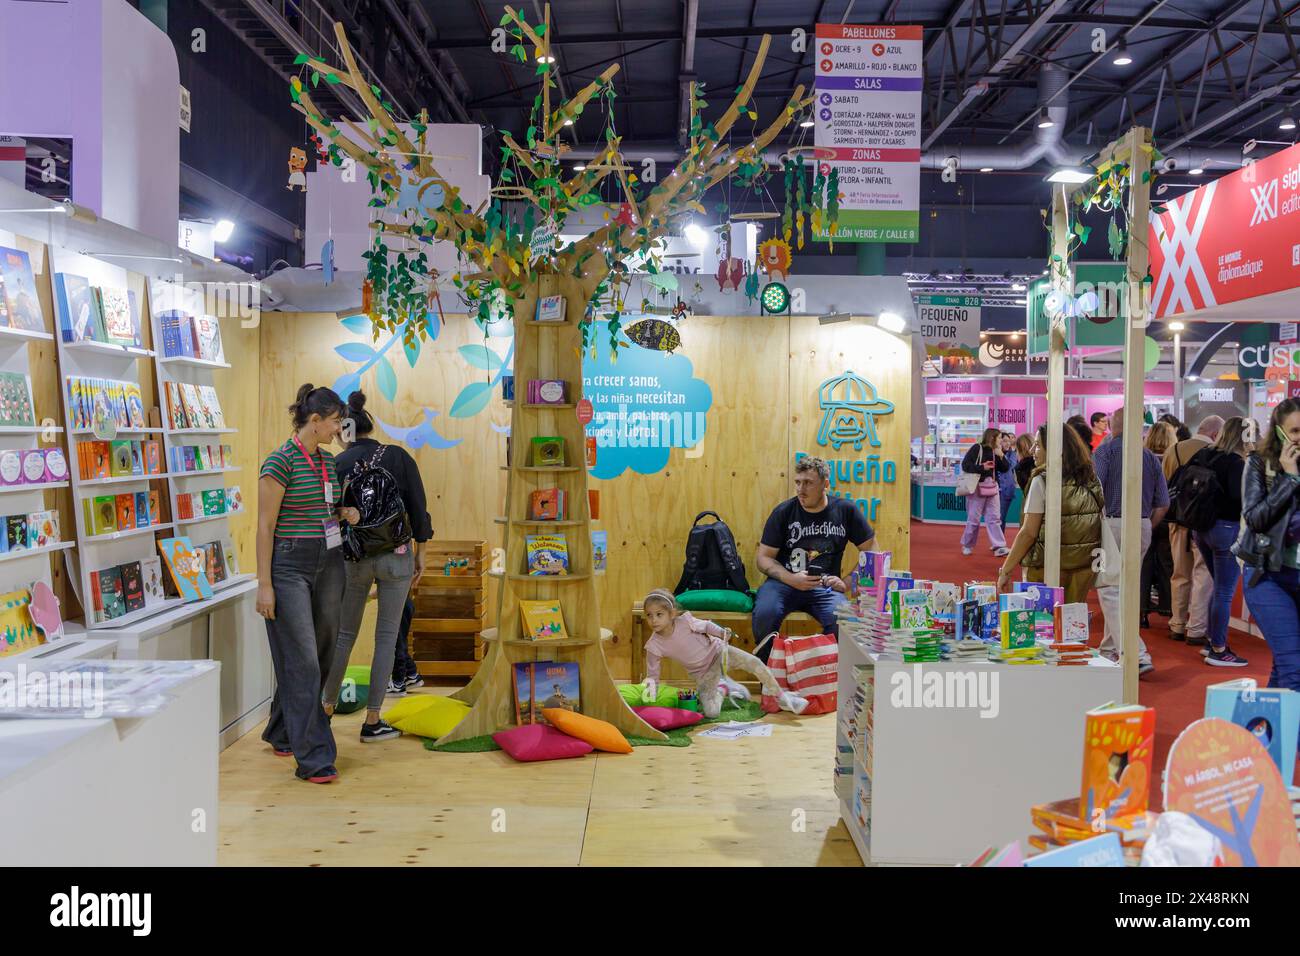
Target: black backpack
<point x="712" y="561"/>
<point x="1195" y="492"/>
<point x="384" y="526"/>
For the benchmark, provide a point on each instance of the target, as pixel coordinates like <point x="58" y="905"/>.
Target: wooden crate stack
<point x="450" y="609"/>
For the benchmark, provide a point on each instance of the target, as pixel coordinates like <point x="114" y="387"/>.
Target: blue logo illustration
<point x="849" y="409"/>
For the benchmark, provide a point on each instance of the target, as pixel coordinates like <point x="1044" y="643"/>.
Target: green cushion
<point x="720" y="600"/>
<point x="352" y="696"/>
<point x="359" y="673"/>
<point x="632" y="695"/>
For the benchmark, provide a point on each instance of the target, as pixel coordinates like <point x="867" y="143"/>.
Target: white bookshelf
<point x="183" y="369"/>
<point x="23" y="568"/>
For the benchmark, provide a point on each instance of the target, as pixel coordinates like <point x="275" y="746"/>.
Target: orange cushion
<point x="599" y="733"/>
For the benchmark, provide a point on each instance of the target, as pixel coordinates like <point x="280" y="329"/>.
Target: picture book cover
<point x="185" y="567"/>
<point x="1118" y="749"/>
<point x="599" y="551"/>
<point x="134" y="404"/>
<point x="1103" y="850"/>
<point x="125" y="511"/>
<point x="137" y="458"/>
<point x="1014" y="602"/>
<point x="111" y="595"/>
<point x="968" y="621"/>
<point x="990" y="624"/>
<point x="1017" y="629"/>
<point x="214" y="502"/>
<point x="208" y="333"/>
<point x="1041" y="597"/>
<point x="16" y="400"/>
<point x="545" y="684"/>
<point x="550" y="308"/>
<point x="943" y="600"/>
<point x="155" y="506"/>
<point x="526" y="711"/>
<point x="18" y="630"/>
<point x="105" y="514"/>
<point x="234" y="499"/>
<point x="983" y="593"/>
<point x="56" y="465"/>
<point x="894" y="581"/>
<point x="101" y="453"/>
<point x="142" y="518"/>
<point x="33" y="466"/>
<point x="869" y="572"/>
<point x="1070" y="621"/>
<point x="78" y="308"/>
<point x="546" y="504"/>
<point x="16" y="532"/>
<point x="120" y="461"/>
<point x="542" y="620"/>
<point x="152" y="458"/>
<point x="19" y="291"/>
<point x="548" y="451"/>
<point x="1272" y="714"/>
<point x="152" y="581"/>
<point x="909" y="608"/>
<point x="11" y="466"/>
<point x="548" y="391"/>
<point x="42" y="529"/>
<point x="175" y="327"/>
<point x="132" y="586"/>
<point x="548" y="554"/>
<point x="119" y="321"/>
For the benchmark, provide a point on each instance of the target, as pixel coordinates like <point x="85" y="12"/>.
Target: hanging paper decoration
<point x="751" y="284"/>
<point x="775" y="257"/>
<point x="654" y="334"/>
<point x="297" y="169"/>
<point x="730" y="274"/>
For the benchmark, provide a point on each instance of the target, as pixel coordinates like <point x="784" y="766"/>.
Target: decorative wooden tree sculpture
<point x="518" y="261"/>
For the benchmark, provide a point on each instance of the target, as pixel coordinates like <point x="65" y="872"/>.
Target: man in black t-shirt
<point x="801" y="553"/>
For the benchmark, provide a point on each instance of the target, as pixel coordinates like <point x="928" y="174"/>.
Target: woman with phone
<point x="1270" y="541"/>
<point x="981" y="467"/>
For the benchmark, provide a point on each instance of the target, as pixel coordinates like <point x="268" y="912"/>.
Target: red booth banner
<point x="1232" y="239"/>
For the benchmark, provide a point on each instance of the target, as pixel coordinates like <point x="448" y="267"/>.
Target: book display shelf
<point x="196" y="442"/>
<point x="547" y="454"/>
<point x="33" y="466"/>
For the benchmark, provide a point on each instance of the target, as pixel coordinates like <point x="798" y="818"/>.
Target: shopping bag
<point x="805" y="665"/>
<point x="967" y="483"/>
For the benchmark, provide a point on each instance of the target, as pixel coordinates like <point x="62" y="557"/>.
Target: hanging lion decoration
<point x="774" y="255"/>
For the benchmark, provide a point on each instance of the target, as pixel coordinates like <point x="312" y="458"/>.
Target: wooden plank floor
<point x="751" y="802"/>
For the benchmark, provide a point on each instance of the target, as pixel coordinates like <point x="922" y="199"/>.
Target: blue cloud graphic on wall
<point x="643" y="405"/>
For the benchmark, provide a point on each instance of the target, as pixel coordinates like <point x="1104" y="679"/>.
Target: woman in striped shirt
<point x="300" y="579"/>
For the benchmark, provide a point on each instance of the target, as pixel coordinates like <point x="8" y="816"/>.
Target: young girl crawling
<point x="701" y="647"/>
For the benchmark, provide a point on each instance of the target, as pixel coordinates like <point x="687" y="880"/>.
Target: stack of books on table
<point x="1058" y="824"/>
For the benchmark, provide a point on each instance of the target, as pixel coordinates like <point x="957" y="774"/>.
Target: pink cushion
<point x="668" y="718"/>
<point x="539" y="742"/>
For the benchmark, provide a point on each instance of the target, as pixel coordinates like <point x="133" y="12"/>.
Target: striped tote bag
<point x="805" y="665"/>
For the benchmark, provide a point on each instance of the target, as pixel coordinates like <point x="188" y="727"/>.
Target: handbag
<point x="967" y="483"/>
<point x="988" y="486"/>
<point x="807" y="666"/>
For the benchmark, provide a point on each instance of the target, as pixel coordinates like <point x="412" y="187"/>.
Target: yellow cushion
<point x="407" y="706"/>
<point x="434" y="719"/>
<point x="599" y="733"/>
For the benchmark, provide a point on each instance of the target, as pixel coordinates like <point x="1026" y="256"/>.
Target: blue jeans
<point x="1274" y="602"/>
<point x="1216" y="545"/>
<point x="775" y="600"/>
<point x="308" y="582"/>
<point x="1007" y="498"/>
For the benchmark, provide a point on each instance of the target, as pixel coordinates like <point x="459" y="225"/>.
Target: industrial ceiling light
<point x="1177" y="326"/>
<point x="1121" y="57"/>
<point x="222" y="230"/>
<point x="986" y="169"/>
<point x="1067" y="175"/>
<point x="1288" y="123"/>
<point x="544" y="58"/>
<point x="807" y="121"/>
<point x="1197" y="171"/>
<point x="1017" y="287"/>
<point x="580" y="167"/>
<point x="568" y="121"/>
<point x="1044" y="120"/>
<point x="696" y="236"/>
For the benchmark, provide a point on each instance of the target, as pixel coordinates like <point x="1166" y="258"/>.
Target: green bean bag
<point x="717" y="600"/>
<point x="354" y="692"/>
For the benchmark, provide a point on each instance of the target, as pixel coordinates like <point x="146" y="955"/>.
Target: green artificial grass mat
<point x="747" y="712"/>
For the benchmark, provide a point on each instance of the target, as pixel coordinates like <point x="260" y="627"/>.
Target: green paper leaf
<point x="333" y="79"/>
<point x="412" y="350"/>
<point x="300" y="59"/>
<point x="540" y="29"/>
<point x="315" y="80"/>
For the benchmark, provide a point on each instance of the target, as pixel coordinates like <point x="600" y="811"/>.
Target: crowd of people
<point x="1217" y="506"/>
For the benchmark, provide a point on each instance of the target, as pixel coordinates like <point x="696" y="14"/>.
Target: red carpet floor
<point x="1176" y="689"/>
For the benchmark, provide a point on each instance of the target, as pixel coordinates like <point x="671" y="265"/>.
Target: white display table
<point x="114" y="792"/>
<point x="947" y="783"/>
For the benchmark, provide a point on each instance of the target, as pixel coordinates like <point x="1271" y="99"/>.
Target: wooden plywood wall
<point x="764" y="374"/>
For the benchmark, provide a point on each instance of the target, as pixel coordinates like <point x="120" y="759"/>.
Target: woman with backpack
<point x="387" y="546"/>
<point x="1270" y="541"/>
<point x="979" y="483"/>
<point x="1226" y="459"/>
<point x="1158" y="565"/>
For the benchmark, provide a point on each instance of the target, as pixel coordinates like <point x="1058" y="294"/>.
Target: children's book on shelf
<point x="207" y="334"/>
<point x="102" y="514"/>
<point x="78" y="308"/>
<point x="1118" y="750"/>
<point x="550" y="308"/>
<point x="185" y="567"/>
<point x="21" y="305"/>
<point x="1014" y="601"/>
<point x="11" y="466"/>
<point x="1071" y="623"/>
<point x="909" y="609"/>
<point x="33" y="466"/>
<point x="1103" y="850"/>
<point x="234" y="500"/>
<point x="542" y="620"/>
<point x="120" y="461"/>
<point x="593" y="503"/>
<point x="43" y="528"/>
<point x="591" y="451"/>
<point x="16" y="531"/>
<point x="548" y="451"/>
<point x="1272" y="714"/>
<point x="545" y="684"/>
<point x="125" y="511"/>
<point x="16" y="400"/>
<point x="107" y="594"/>
<point x="132" y="586"/>
<point x="1040" y="596"/>
<point x="151" y="579"/>
<point x="121" y="325"/>
<point x="56" y="465"/>
<point x="548" y="554"/>
<point x="507" y="388"/>
<point x="968" y="621"/>
<point x="599" y="551"/>
<point x="547" y="391"/>
<point x="142" y="517"/>
<point x="155" y="506"/>
<point x="546" y="504"/>
<point x="178" y="338"/>
<point x="1017" y="629"/>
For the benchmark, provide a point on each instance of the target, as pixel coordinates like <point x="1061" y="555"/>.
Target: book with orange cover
<point x="546" y="505"/>
<point x="1118" y="750"/>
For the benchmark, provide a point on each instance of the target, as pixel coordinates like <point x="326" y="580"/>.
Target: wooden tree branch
<point x="728" y="119"/>
<point x="574" y="106"/>
<point x="525" y="158"/>
<point x="528" y="31"/>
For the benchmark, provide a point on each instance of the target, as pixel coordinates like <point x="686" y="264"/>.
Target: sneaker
<point x="281" y="753"/>
<point x="1197" y="640"/>
<point x="1224" y="658"/>
<point x="1177" y="635"/>
<point x="1145" y="667"/>
<point x="328" y="775"/>
<point x="415" y="680"/>
<point x="396" y="689"/>
<point x="1001" y="552"/>
<point x="965" y="551"/>
<point x="380" y="730"/>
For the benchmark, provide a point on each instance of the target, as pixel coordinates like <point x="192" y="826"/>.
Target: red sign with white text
<point x="1233" y="239"/>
